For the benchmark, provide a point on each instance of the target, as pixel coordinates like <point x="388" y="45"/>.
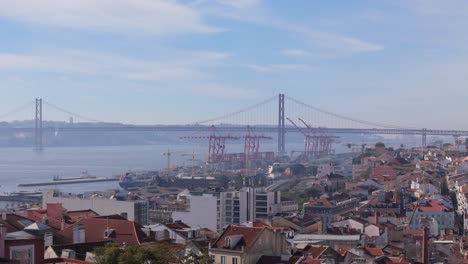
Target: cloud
<point x="256" y="14"/>
<point x="437" y="8"/>
<point x="329" y="41"/>
<point x="145" y="16"/>
<point x="188" y="66"/>
<point x="240" y="3"/>
<point x="219" y="90"/>
<point x="295" y="52"/>
<point x="282" y="67"/>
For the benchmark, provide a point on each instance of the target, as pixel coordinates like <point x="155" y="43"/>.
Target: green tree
<point x="313" y="192"/>
<point x="108" y="254"/>
<point x="160" y="253"/>
<point x="195" y="259"/>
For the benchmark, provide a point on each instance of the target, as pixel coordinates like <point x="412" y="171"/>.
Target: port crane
<point x="316" y="143"/>
<point x="216" y="144"/>
<point x="324" y="140"/>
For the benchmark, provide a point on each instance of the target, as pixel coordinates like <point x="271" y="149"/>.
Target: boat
<point x="83" y="175"/>
<point x="131" y="180"/>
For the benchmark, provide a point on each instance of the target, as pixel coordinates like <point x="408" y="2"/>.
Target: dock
<point x="69" y="181"/>
<point x="21" y="199"/>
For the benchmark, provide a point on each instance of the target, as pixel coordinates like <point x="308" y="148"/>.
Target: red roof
<point x="384" y="172"/>
<point x="400" y="260"/>
<point x="125" y="231"/>
<point x="374" y="252"/>
<point x="249" y="235"/>
<point x="320" y="202"/>
<point x="433" y="206"/>
<point x="82" y="214"/>
<point x="315" y="252"/>
<point x="343" y="249"/>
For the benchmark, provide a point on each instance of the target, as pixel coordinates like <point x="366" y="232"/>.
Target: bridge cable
<point x="72" y="113"/>
<point x="211" y="120"/>
<point x="17" y="110"/>
<point x="346" y="117"/>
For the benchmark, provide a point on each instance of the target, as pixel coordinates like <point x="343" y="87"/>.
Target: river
<point x="23" y="165"/>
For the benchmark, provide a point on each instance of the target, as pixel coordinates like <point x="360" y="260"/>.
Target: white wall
<point x="99" y="205"/>
<point x="202" y="212"/>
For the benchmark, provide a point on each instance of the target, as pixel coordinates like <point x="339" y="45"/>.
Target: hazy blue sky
<point x="142" y="61"/>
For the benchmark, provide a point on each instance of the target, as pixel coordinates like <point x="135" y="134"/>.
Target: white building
<point x="201" y="213"/>
<point x="247" y="204"/>
<point x="444" y="216"/>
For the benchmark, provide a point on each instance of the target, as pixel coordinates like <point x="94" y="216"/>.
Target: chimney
<point x="424" y="247"/>
<point x="396" y="196"/>
<point x="3" y="235"/>
<point x="376" y="218"/>
<point x="124" y="215"/>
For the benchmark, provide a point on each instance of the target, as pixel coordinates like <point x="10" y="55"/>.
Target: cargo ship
<point x="131" y="180"/>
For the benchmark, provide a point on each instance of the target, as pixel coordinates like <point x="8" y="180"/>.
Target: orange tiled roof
<point x="249" y="235"/>
<point x="374" y="252"/>
<point x="315" y="252"/>
<point x="320" y="202"/>
<point x="343" y="249"/>
<point x="127" y="232"/>
<point x="433" y="206"/>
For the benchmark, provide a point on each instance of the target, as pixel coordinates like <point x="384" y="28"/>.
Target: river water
<point x="23" y="165"/>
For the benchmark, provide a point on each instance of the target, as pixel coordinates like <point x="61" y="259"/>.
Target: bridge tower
<point x="281" y="130"/>
<point x="38" y="126"/>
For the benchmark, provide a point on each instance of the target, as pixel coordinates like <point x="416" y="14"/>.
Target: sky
<point x="176" y="62"/>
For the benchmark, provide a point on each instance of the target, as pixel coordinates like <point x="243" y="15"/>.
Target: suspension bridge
<point x="268" y="116"/>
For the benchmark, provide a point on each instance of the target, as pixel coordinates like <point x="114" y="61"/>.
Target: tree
<point x="379" y="145"/>
<point x="195" y="259"/>
<point x="160" y="253"/>
<point x="444" y="190"/>
<point x="313" y="192"/>
<point x="298" y="169"/>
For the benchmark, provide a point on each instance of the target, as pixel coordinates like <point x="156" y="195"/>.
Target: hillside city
<point x="233" y="132"/>
<point x="375" y="204"/>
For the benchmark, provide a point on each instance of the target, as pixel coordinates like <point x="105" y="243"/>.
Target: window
<point x="223" y="259"/>
<point x="234" y="260"/>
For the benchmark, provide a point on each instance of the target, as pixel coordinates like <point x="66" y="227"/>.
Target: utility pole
<point x="38" y="126"/>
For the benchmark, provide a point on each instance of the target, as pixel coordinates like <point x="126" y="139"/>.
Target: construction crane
<point x="192" y="155"/>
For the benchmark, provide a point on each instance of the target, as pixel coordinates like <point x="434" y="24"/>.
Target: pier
<point x="69" y="181"/>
